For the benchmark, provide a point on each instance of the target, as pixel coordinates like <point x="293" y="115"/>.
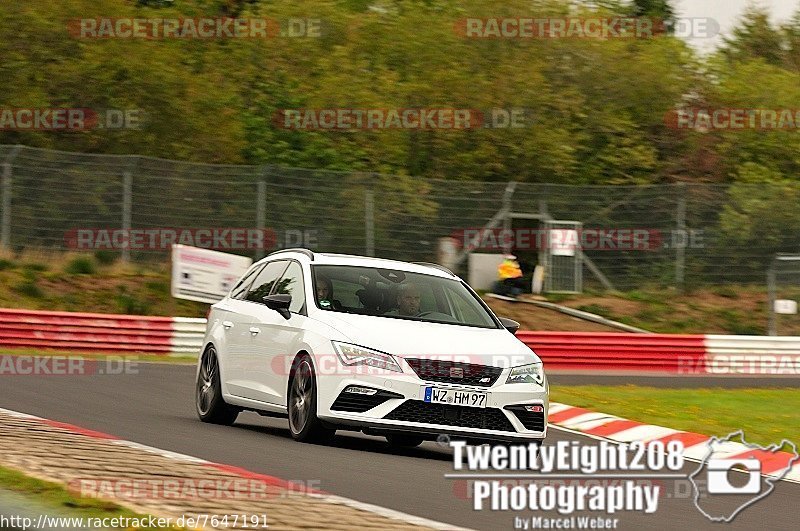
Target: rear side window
<point x="264" y="282"/>
<point x="291" y="283"/>
<point x="240" y="289"/>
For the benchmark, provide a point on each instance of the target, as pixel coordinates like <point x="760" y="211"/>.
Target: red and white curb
<point x="241" y="472"/>
<point x="605" y="426"/>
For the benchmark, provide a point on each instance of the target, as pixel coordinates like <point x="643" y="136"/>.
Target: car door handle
<point x="227" y="324"/>
<point x="254" y="330"/>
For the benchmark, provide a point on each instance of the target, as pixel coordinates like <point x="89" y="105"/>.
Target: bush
<point x="105" y="257"/>
<point x="5" y="263"/>
<point x="130" y="305"/>
<point x="83" y="265"/>
<point x="30" y="289"/>
<point x="35" y="266"/>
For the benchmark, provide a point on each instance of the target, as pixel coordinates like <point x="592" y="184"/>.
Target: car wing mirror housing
<point x="509" y="324"/>
<point x="280" y="303"/>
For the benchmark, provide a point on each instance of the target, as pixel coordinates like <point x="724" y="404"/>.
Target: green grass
<point x="55" y="497"/>
<point x="766" y="415"/>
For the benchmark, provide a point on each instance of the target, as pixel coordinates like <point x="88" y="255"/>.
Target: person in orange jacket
<point x="508" y="277"/>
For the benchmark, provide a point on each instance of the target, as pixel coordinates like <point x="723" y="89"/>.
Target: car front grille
<point x="359" y="403"/>
<point x="447" y="415"/>
<point x="455" y="372"/>
<point x="531" y="420"/>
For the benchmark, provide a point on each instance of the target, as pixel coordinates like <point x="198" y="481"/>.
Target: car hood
<point x="416" y="339"/>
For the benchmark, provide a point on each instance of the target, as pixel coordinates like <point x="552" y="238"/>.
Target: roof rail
<point x="435" y="266"/>
<point x="295" y="250"/>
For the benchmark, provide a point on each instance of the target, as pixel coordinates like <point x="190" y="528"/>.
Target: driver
<point x="325" y="294"/>
<point x="408" y="299"/>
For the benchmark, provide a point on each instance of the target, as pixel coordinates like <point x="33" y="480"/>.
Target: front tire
<point x="304" y="424"/>
<point x="211" y="407"/>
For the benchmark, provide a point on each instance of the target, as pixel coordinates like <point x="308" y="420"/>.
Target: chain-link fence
<point x="783" y="288"/>
<point x="631" y="236"/>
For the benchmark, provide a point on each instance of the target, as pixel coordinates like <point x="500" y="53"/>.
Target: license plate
<point x="454" y="397"/>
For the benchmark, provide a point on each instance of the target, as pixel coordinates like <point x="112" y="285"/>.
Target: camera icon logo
<point x="732" y="475"/>
<point x="718" y="482"/>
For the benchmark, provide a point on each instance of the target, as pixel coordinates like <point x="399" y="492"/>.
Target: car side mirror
<point x="509" y="324"/>
<point x="280" y="303"/>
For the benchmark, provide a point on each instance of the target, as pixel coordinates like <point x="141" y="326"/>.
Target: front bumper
<point x="403" y="409"/>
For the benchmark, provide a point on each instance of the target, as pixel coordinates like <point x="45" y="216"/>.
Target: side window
<point x="262" y="285"/>
<point x="241" y="288"/>
<point x="465" y="312"/>
<point x="291" y="283"/>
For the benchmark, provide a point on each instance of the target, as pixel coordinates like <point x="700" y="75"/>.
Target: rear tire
<point x="404" y="440"/>
<point x="211" y="407"/>
<point x="304" y="425"/>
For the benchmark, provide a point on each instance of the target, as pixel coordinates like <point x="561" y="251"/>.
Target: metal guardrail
<point x="617" y="351"/>
<point x="91" y="332"/>
<point x="694" y="354"/>
<point x="698" y="354"/>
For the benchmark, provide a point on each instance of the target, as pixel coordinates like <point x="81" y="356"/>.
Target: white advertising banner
<point x="204" y="275"/>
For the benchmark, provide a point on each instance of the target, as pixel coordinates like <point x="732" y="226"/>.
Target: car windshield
<point x="398" y="294"/>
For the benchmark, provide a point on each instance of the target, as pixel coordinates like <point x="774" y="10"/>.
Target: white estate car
<point x="403" y="350"/>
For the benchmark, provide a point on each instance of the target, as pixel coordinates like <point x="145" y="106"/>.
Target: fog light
<point x="360" y="390"/>
<point x="535" y="409"/>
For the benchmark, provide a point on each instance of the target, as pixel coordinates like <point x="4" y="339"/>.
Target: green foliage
<point x="755" y="37"/>
<point x="597" y="107"/>
<point x="105" y="257"/>
<point x="760" y="217"/>
<point x="29" y="288"/>
<point x="128" y="303"/>
<point x="159" y="287"/>
<point x="81" y="265"/>
<point x="35" y="267"/>
<point x="659" y="9"/>
<point x="5" y="263"/>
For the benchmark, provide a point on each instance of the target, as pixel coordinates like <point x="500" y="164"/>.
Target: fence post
<point x="127" y="206"/>
<point x="369" y="222"/>
<point x="773" y="325"/>
<point x="261" y="213"/>
<point x="680" y="248"/>
<point x="5" y="223"/>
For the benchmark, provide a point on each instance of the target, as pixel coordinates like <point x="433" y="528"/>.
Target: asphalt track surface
<point x="155" y="407"/>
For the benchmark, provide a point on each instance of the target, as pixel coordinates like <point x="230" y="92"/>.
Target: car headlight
<point x="533" y="373"/>
<point x="355" y="355"/>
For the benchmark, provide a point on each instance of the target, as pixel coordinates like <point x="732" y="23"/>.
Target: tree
<point x="755" y="37"/>
<point x="658" y="9"/>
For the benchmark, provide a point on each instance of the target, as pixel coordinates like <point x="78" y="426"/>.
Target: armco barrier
<point x="580" y="351"/>
<point x="599" y="351"/>
<point x="752" y="355"/>
<point x="667" y="353"/>
<point x="93" y="332"/>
